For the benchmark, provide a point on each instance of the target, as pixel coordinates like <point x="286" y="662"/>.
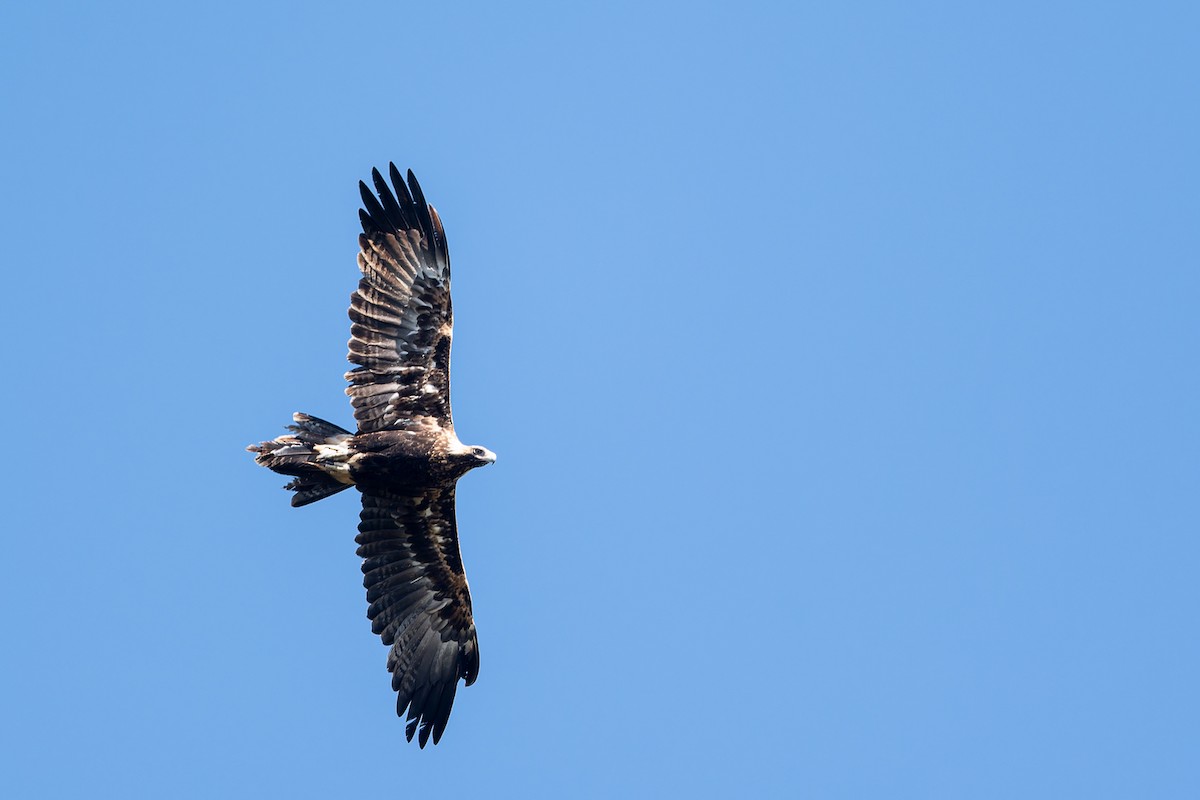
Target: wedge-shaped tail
<point x="315" y="454"/>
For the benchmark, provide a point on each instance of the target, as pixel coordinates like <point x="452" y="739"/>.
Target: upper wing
<point x="402" y="320"/>
<point x="419" y="601"/>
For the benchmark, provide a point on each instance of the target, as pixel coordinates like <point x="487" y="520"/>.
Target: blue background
<point x="840" y="359"/>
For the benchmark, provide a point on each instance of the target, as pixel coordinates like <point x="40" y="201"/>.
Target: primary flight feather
<point x="404" y="457"/>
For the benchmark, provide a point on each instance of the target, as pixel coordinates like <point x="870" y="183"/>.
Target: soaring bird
<point x="404" y="458"/>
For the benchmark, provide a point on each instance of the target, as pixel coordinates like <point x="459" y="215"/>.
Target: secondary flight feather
<point x="404" y="457"/>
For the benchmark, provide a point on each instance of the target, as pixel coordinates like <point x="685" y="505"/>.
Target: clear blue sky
<point x="841" y="361"/>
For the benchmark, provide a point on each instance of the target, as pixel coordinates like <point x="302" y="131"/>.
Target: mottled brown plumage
<point x="404" y="458"/>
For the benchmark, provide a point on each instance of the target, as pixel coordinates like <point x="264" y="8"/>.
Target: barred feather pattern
<point x="402" y="321"/>
<point x="420" y="604"/>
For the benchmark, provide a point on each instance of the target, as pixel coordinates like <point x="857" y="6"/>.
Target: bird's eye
<point x="477" y="451"/>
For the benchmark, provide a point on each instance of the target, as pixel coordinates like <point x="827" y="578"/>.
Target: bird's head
<point x="462" y="458"/>
<point x="466" y="457"/>
<point x="482" y="455"/>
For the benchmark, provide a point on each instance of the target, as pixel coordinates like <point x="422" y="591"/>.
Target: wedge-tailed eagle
<point x="404" y="457"/>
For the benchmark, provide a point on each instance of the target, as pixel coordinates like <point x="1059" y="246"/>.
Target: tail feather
<point x="311" y="490"/>
<point x="313" y="429"/>
<point x="296" y="454"/>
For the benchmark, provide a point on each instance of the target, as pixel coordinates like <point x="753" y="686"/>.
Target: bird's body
<point x="405" y="458"/>
<point x="393" y="459"/>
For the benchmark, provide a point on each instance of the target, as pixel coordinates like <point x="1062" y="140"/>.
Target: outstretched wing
<point x="419" y="601"/>
<point x="402" y="320"/>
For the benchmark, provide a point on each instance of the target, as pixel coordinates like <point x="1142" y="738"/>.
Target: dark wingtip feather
<point x="423" y="215"/>
<point x="423" y="740"/>
<point x="402" y="206"/>
<point x="415" y="188"/>
<point x="398" y="181"/>
<point x="373" y="208"/>
<point x="441" y="715"/>
<point x="395" y="212"/>
<point x="469" y="666"/>
<point x="365" y="194"/>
